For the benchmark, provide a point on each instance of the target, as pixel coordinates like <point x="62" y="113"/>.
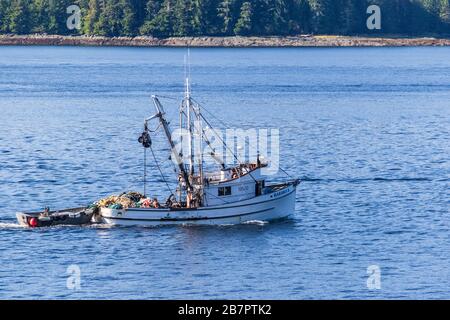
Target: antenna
<point x="187" y="73"/>
<point x="189" y="62"/>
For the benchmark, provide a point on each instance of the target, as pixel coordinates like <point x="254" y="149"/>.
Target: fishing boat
<point x="228" y="195"/>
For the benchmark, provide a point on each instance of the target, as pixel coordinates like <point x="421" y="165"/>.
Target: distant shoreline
<point x="232" y="42"/>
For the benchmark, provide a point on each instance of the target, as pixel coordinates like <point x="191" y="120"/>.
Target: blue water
<point x="367" y="130"/>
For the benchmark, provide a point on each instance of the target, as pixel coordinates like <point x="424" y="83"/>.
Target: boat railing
<point x="280" y="186"/>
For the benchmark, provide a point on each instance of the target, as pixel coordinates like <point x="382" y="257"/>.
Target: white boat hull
<point x="268" y="207"/>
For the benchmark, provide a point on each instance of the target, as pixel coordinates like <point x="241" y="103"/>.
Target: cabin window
<point x="224" y="191"/>
<point x="259" y="186"/>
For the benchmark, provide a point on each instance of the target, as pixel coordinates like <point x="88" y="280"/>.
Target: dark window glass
<point x="224" y="191"/>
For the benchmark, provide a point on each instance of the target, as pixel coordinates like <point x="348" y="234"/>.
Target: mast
<point x="186" y="110"/>
<point x="180" y="191"/>
<point x="189" y="127"/>
<point x="193" y="113"/>
<point x="200" y="149"/>
<point x="190" y="175"/>
<point x="165" y="125"/>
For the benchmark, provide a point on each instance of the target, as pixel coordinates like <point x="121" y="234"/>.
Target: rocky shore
<point x="297" y="41"/>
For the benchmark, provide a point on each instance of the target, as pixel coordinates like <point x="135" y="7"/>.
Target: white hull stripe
<point x="192" y="218"/>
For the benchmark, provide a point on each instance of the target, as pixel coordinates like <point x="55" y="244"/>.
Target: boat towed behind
<point x="46" y="218"/>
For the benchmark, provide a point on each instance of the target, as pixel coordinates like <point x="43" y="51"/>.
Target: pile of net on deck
<point x="127" y="200"/>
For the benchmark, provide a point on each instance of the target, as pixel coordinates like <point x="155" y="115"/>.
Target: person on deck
<point x="155" y="203"/>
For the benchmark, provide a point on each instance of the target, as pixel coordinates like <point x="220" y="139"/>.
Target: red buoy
<point x="33" y="222"/>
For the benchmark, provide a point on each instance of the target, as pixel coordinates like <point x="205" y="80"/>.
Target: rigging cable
<point x="160" y="171"/>
<point x="226" y="146"/>
<point x="147" y="143"/>
<point x="166" y="97"/>
<point x="217" y="135"/>
<point x="145" y="171"/>
<point x="225" y="125"/>
<point x="286" y="173"/>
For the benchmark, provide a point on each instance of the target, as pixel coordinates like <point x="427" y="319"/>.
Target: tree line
<point x="164" y="18"/>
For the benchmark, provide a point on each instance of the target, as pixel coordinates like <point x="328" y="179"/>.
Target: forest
<point x="176" y="18"/>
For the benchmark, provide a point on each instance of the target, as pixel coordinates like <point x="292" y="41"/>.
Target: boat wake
<point x="257" y="222"/>
<point x="12" y="225"/>
<point x="9" y="225"/>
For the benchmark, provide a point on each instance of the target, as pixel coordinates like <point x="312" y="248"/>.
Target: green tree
<point x="4" y="16"/>
<point x="273" y="17"/>
<point x="300" y="17"/>
<point x="129" y="21"/>
<point x="434" y="8"/>
<point x="227" y="12"/>
<point x="444" y="12"/>
<point x="164" y="18"/>
<point x="152" y="9"/>
<point x="39" y="12"/>
<point x="57" y="16"/>
<point x="162" y="24"/>
<point x="109" y="22"/>
<point x="91" y="17"/>
<point x="187" y="15"/>
<point x="279" y="24"/>
<point x="402" y="16"/>
<point x="19" y="17"/>
<point x="209" y="19"/>
<point x="325" y="18"/>
<point x="243" y="26"/>
<point x="101" y="23"/>
<point x="352" y="17"/>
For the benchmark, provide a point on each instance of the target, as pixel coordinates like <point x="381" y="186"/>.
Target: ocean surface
<point x="366" y="129"/>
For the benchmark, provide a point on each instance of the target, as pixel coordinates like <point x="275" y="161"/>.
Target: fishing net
<point x="124" y="201"/>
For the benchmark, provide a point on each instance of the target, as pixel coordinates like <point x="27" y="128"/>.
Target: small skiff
<point x="74" y="216"/>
